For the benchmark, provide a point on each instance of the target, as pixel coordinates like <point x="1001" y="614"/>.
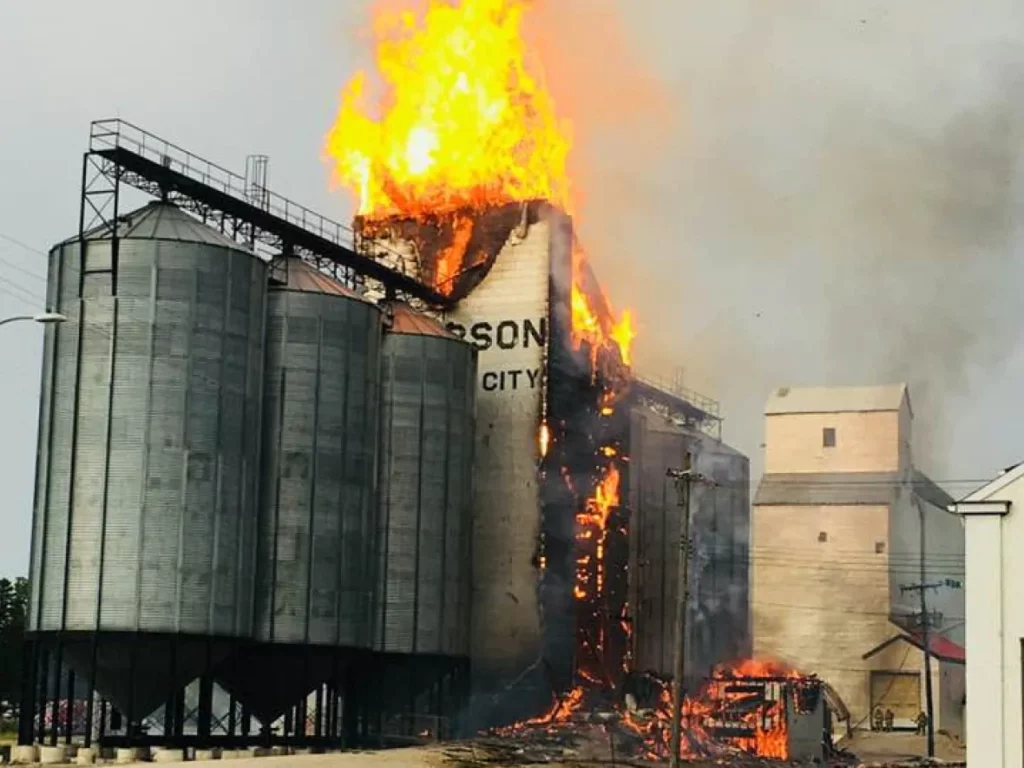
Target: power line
<point x="22" y="270"/>
<point x="20" y="244"/>
<point x="824" y="609"/>
<point x="19" y="292"/>
<point x="855" y="553"/>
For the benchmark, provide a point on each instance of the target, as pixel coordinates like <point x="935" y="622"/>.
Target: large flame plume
<point x="463" y="119"/>
<point x="457" y="116"/>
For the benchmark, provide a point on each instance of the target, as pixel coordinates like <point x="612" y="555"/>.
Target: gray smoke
<point x="834" y="200"/>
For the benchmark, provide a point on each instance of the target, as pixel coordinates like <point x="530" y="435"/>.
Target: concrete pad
<point x="129" y="755"/>
<point x="86" y="756"/>
<point x="169" y="756"/>
<point x="53" y="755"/>
<point x="416" y="757"/>
<point x="23" y="754"/>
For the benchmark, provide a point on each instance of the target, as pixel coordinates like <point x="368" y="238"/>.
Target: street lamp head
<point x="49" y="318"/>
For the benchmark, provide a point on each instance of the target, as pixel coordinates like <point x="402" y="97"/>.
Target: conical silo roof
<point x="407" y="320"/>
<point x="162" y="221"/>
<point x="303" y="277"/>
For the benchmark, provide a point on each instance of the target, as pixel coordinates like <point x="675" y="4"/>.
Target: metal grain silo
<point x="148" y="450"/>
<point x="427" y="417"/>
<point x="318" y="496"/>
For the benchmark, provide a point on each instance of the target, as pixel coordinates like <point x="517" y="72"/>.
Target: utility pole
<point x="684" y="479"/>
<point x="921" y="587"/>
<point x="926" y="642"/>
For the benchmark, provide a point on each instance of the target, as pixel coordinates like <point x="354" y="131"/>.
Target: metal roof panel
<point x="787" y="400"/>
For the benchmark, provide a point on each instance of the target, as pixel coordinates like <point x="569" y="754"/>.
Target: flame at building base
<point x="743" y="709"/>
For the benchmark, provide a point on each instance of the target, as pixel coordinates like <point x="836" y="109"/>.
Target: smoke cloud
<point x="796" y="193"/>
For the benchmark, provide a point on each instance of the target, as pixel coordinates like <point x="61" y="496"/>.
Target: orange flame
<point x="597" y="326"/>
<point x="465" y="117"/>
<point x="544" y="440"/>
<point x="459" y="116"/>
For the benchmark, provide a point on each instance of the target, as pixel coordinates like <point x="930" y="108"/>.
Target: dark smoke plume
<point x="794" y="195"/>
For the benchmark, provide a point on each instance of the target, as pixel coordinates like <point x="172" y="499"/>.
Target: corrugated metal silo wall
<point x="148" y="454"/>
<point x="718" y="622"/>
<point x="427" y="434"/>
<point x="318" y="496"/>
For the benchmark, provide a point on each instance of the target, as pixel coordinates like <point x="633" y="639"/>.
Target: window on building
<point x="822" y="536"/>
<point x="828" y="437"/>
<point x="879" y="547"/>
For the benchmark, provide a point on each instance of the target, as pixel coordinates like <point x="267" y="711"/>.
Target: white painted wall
<point x="995" y="622"/>
<point x="506" y="630"/>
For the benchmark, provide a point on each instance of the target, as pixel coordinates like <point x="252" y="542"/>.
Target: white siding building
<point x="994" y="530"/>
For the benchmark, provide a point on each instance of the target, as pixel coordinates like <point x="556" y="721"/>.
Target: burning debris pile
<point x="746" y="709"/>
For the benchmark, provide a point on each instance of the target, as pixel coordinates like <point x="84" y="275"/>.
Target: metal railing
<point x="115" y="133"/>
<point x="120" y="134"/>
<point x="702" y="402"/>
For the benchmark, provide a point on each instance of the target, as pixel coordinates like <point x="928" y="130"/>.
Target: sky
<point x="788" y="193"/>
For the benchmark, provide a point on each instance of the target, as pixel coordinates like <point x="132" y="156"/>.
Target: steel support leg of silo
<point x="69" y="708"/>
<point x="332" y="689"/>
<point x="318" y="726"/>
<point x="332" y="710"/>
<point x="349" y="718"/>
<point x="171" y="705"/>
<point x="328" y="689"/>
<point x="44" y="670"/>
<point x="355" y="706"/>
<point x="129" y="725"/>
<point x="101" y="729"/>
<point x="179" y="714"/>
<point x="29" y="691"/>
<point x="91" y="703"/>
<point x="205" y="723"/>
<point x="58" y="665"/>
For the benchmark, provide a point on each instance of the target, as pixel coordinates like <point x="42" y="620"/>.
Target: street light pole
<point x="43" y="318"/>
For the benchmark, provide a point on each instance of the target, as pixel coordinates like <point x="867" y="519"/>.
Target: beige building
<point x="841" y="519"/>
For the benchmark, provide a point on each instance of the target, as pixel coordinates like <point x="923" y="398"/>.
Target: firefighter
<point x="878" y="718"/>
<point x="922" y="724"/>
<point x="890" y="716"/>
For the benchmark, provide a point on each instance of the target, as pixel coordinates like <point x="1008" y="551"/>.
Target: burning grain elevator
<point x="303" y="485"/>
